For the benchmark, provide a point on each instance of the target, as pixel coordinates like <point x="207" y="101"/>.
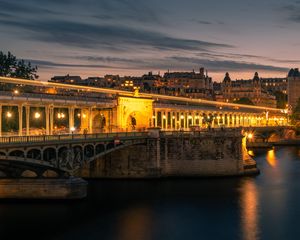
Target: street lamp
<point x="8" y="114"/>
<point x="37" y="115"/>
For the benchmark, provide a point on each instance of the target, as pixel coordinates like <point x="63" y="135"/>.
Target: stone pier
<point x="177" y="154"/>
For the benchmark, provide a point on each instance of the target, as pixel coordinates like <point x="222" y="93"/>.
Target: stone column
<point x="171" y="119"/>
<point x="155" y="119"/>
<point x="47" y="115"/>
<point x="20" y="111"/>
<point x="71" y="118"/>
<point x="90" y="120"/>
<point x="51" y="119"/>
<point x="0" y="120"/>
<point x="27" y="113"/>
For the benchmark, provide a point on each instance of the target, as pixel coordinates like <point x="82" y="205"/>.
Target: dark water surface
<point x="262" y="207"/>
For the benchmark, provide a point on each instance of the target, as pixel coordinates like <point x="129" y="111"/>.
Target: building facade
<point x="232" y="91"/>
<point x="293" y="87"/>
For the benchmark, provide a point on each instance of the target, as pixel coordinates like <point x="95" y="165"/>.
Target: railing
<point x="55" y="97"/>
<point x="70" y="137"/>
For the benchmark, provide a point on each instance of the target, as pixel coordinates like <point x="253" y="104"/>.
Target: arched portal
<point x="139" y="109"/>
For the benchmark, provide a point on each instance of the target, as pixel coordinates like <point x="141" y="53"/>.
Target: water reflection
<point x="249" y="209"/>
<point x="271" y="158"/>
<point x="135" y="224"/>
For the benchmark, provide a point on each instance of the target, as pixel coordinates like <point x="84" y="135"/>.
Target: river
<point x="266" y="206"/>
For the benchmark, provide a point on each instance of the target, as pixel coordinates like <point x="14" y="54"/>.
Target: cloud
<point x="111" y="37"/>
<point x="292" y="11"/>
<point x="50" y="64"/>
<point x="226" y="65"/>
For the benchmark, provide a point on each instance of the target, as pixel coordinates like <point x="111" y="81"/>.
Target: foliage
<point x="10" y="66"/>
<point x="244" y="100"/>
<point x="281" y="99"/>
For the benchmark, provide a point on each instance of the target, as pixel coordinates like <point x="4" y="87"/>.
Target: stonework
<point x="214" y="153"/>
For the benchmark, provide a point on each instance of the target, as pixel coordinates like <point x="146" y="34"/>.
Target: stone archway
<point x="137" y="121"/>
<point x="99" y="122"/>
<point x="140" y="109"/>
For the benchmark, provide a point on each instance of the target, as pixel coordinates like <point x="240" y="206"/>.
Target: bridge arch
<point x="49" y="154"/>
<point x="34" y="154"/>
<point x="89" y="150"/>
<point x="17" y="153"/>
<point x="100" y="148"/>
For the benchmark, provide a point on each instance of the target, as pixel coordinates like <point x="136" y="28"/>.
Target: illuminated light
<point x="72" y="129"/>
<point x="182" y="117"/>
<point x="84" y="115"/>
<point x="78" y="115"/>
<point x="190" y="117"/>
<point x="218" y="117"/>
<point x="16" y="91"/>
<point x="173" y="117"/>
<point x="164" y="117"/>
<point x="250" y="136"/>
<point x="271" y="158"/>
<point x="59" y="115"/>
<point x="37" y="115"/>
<point x="153" y="116"/>
<point x="9" y="114"/>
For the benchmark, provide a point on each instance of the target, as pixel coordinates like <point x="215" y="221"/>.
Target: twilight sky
<point x="131" y="37"/>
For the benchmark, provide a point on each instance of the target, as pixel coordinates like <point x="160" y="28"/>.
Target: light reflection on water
<point x="249" y="209"/>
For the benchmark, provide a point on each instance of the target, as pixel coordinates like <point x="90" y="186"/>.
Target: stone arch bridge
<point x="58" y="156"/>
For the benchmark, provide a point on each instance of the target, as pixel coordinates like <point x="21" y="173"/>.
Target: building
<point x="293" y="87"/>
<point x="67" y="79"/>
<point x="275" y="84"/>
<point x="253" y="89"/>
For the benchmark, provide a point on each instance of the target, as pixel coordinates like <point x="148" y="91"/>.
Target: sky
<point x="133" y="37"/>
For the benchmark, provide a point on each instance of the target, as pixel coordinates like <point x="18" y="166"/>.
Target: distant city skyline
<point x="127" y="37"/>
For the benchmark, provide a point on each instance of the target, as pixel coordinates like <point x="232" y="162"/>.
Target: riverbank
<point x="70" y="188"/>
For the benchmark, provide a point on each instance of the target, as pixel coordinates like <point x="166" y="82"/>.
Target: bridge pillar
<point x="51" y="116"/>
<point x="47" y="113"/>
<point x="71" y="118"/>
<point x="20" y="111"/>
<point x="27" y="114"/>
<point x="90" y="120"/>
<point x="0" y="120"/>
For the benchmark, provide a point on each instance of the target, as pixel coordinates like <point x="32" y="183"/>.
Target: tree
<point x="244" y="100"/>
<point x="281" y="99"/>
<point x="295" y="117"/>
<point x="10" y="66"/>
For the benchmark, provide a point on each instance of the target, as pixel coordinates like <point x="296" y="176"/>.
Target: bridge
<point x="69" y="126"/>
<point x="64" y="109"/>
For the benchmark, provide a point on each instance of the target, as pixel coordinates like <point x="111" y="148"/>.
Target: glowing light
<point x="84" y="115"/>
<point x="153" y="117"/>
<point x="250" y="136"/>
<point x="190" y="117"/>
<point x="37" y="115"/>
<point x="16" y="91"/>
<point x="78" y="115"/>
<point x="9" y="114"/>
<point x="72" y="129"/>
<point x="182" y="117"/>
<point x="271" y="158"/>
<point x="173" y="117"/>
<point x="164" y="117"/>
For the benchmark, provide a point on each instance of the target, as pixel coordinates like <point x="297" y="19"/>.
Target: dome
<point x="291" y="73"/>
<point x="256" y="77"/>
<point x="227" y="78"/>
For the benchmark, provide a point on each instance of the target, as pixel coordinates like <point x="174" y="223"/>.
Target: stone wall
<point x="212" y="153"/>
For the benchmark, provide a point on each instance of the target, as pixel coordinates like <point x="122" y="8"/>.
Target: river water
<point x="263" y="207"/>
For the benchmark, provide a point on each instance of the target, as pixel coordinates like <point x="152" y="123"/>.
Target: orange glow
<point x="271" y="158"/>
<point x="249" y="206"/>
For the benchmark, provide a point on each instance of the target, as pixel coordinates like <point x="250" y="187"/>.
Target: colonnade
<point x="48" y="113"/>
<point x="184" y="119"/>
